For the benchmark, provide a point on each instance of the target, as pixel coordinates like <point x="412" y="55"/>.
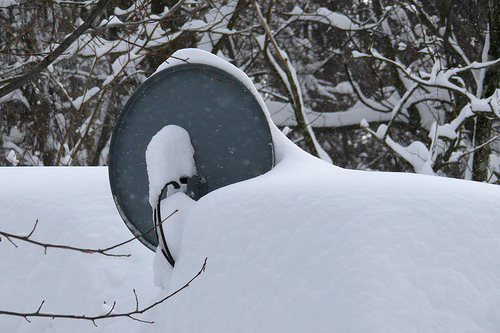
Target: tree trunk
<point x="483" y="123"/>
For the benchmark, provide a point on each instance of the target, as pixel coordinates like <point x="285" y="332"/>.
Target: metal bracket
<point x="197" y="187"/>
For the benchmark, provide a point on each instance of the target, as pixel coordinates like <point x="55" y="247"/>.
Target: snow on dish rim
<point x="169" y="157"/>
<point x="281" y="144"/>
<point x="197" y="56"/>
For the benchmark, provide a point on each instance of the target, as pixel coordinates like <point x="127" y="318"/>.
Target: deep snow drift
<point x="74" y="207"/>
<point x="307" y="247"/>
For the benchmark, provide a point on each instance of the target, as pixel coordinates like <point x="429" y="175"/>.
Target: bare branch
<point x="372" y="104"/>
<point x="136" y="301"/>
<point x="104" y="251"/>
<point x="40" y="307"/>
<point x="143" y="234"/>
<point x="10" y="240"/>
<point x="33" y="230"/>
<point x="269" y="34"/>
<point x="109" y="314"/>
<point x="472" y="150"/>
<point x="399" y="107"/>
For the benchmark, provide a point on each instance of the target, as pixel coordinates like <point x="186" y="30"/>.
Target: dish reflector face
<point x="229" y="133"/>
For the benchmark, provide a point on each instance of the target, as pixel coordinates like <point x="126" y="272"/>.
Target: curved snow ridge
<point x="304" y="246"/>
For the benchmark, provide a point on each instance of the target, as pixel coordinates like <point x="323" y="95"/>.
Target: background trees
<point x="421" y="78"/>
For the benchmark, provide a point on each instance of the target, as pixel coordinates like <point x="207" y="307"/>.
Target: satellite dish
<point x="225" y="119"/>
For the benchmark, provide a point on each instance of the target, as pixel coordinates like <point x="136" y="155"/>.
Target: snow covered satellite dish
<point x="194" y="96"/>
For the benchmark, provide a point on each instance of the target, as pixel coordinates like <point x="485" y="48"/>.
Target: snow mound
<point x="169" y="157"/>
<point x="311" y="247"/>
<point x="73" y="206"/>
<point x="305" y="247"/>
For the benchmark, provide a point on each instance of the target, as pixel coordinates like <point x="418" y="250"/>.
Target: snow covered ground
<point x="74" y="207"/>
<point x="306" y="247"/>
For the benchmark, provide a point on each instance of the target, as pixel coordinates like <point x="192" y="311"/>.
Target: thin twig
<point x="10" y="240"/>
<point x="33" y="230"/>
<point x="109" y="314"/>
<point x="104" y="251"/>
<point x="472" y="150"/>
<point x="136" y="301"/>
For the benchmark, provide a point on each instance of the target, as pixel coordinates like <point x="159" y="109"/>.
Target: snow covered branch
<point x="316" y="67"/>
<point x="63" y="46"/>
<point x="115" y="22"/>
<point x="288" y="76"/>
<point x="440" y="77"/>
<point x="437" y="84"/>
<point x="326" y="16"/>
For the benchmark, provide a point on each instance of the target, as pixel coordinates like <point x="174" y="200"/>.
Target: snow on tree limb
<point x="326" y="16"/>
<point x="18" y="83"/>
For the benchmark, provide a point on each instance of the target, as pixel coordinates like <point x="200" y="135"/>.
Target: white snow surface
<point x="169" y="156"/>
<point x="73" y="206"/>
<point x="311" y="247"/>
<point x="306" y="247"/>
